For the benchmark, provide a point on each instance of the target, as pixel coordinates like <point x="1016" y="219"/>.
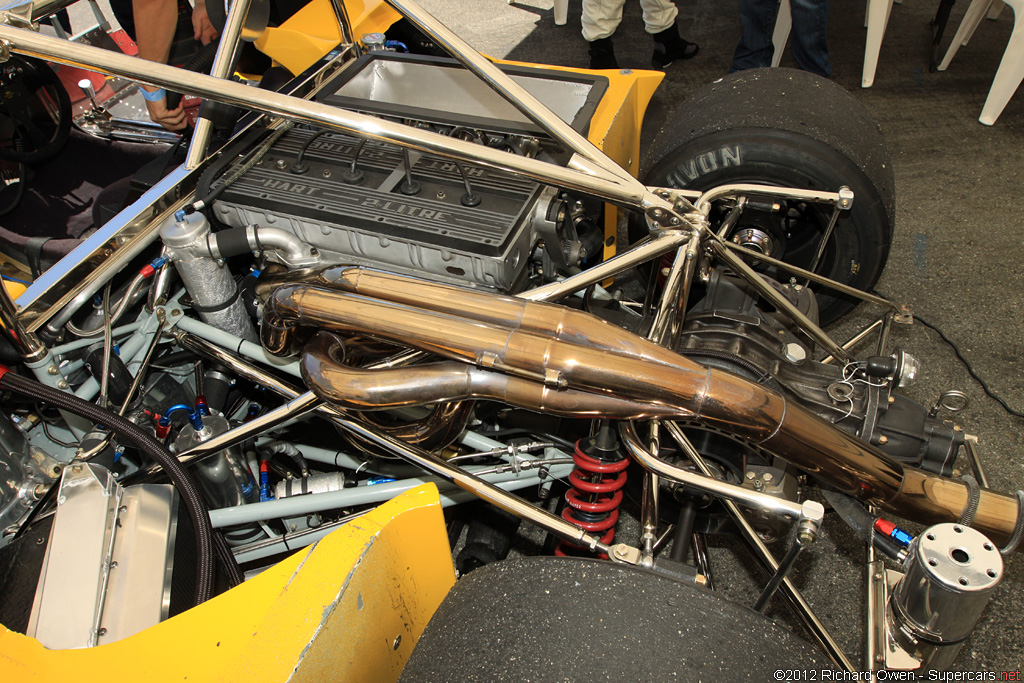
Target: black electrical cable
<point x="197" y="509"/>
<point x="468" y="199"/>
<point x="409" y="186"/>
<point x="211" y="195"/>
<point x="298" y="166"/>
<point x="970" y="369"/>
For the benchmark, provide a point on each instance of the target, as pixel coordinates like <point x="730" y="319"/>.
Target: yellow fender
<point x="348" y="608"/>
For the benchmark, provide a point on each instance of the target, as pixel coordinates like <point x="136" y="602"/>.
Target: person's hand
<point x="173" y="119"/>
<point x="201" y="25"/>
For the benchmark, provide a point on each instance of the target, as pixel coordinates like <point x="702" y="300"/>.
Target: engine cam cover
<point x="373" y="222"/>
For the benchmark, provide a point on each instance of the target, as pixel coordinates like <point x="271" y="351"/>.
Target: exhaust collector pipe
<point x="558" y="322"/>
<point x="618" y="366"/>
<point x="358" y="389"/>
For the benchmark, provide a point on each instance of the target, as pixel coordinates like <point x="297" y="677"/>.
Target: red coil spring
<point x="597" y="491"/>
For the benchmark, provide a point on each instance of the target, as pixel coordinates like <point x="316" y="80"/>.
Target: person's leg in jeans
<point x="600" y="19"/>
<point x="757" y="20"/>
<point x="810" y="36"/>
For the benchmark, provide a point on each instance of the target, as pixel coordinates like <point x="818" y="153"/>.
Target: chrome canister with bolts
<point x="208" y="281"/>
<point x="951" y="575"/>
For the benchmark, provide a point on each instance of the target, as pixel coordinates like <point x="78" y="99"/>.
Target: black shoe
<point x="669" y="46"/>
<point x="602" y="54"/>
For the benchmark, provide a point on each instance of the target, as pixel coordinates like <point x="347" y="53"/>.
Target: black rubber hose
<point x="684" y="530"/>
<point x="232" y="242"/>
<point x="862" y="522"/>
<point x="199" y="63"/>
<point x="175" y="358"/>
<point x="198" y="512"/>
<point x="8" y="354"/>
<point x="852" y="512"/>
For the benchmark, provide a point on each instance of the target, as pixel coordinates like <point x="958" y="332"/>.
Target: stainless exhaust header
<point x="619" y="366"/>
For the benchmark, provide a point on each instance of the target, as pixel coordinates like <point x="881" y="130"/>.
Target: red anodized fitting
<point x="593" y="502"/>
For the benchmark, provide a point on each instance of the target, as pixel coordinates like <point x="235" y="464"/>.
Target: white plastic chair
<point x="876" y="20"/>
<point x="1011" y="69"/>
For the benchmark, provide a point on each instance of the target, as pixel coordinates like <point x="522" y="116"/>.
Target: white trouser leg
<point x="601" y="18"/>
<point x="658" y="15"/>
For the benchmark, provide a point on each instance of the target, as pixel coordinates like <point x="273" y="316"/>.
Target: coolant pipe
<point x="301" y="539"/>
<point x="236" y="344"/>
<point x="238" y="241"/>
<point x="83" y="343"/>
<point x="360" y="495"/>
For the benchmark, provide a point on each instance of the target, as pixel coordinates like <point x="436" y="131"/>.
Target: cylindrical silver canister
<point x="315" y="483"/>
<point x="208" y="281"/>
<point x="952" y="572"/>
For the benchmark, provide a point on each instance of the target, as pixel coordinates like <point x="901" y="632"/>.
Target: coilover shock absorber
<point x="593" y="502"/>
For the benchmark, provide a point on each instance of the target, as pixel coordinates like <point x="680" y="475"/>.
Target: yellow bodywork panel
<point x="313" y="31"/>
<point x="615" y="126"/>
<point x="349" y="608"/>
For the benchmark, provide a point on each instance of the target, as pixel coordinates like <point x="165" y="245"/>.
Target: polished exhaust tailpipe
<point x="562" y="368"/>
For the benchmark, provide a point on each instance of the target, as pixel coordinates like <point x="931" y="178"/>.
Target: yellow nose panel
<point x="349" y="608"/>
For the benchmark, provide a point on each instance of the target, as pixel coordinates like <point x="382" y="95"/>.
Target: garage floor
<point x="955" y="259"/>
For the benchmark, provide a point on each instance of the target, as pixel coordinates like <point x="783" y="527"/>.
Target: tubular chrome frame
<point x="78" y="276"/>
<point x="678" y="222"/>
<point x="589" y="170"/>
